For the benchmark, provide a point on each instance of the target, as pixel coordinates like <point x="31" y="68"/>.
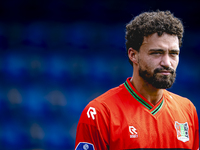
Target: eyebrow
<point x="175" y="50"/>
<point x="161" y="50"/>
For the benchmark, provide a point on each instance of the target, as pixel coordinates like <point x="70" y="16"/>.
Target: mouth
<point x="165" y="72"/>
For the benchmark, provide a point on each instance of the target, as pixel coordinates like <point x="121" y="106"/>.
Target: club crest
<point x="182" y="130"/>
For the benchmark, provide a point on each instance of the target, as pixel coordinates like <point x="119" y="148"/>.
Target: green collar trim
<point x="139" y="99"/>
<point x="157" y="108"/>
<point x="136" y="96"/>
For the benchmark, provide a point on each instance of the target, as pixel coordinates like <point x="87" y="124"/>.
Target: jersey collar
<point x="153" y="109"/>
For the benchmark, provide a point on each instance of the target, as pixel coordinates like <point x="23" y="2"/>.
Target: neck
<point x="152" y="94"/>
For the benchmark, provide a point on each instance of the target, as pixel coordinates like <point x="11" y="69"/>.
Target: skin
<point x="155" y="52"/>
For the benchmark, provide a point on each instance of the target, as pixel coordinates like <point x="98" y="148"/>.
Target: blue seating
<point x="53" y="70"/>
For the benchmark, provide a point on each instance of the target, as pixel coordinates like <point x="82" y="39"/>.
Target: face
<point x="158" y="59"/>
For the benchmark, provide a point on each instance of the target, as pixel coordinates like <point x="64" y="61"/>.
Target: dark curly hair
<point x="148" y="23"/>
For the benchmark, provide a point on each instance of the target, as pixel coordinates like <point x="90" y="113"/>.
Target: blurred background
<point x="57" y="55"/>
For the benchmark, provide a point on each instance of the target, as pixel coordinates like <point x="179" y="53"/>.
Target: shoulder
<point x="181" y="106"/>
<point x="107" y="101"/>
<point x="109" y="98"/>
<point x="179" y="101"/>
<point x="176" y="97"/>
<point x="97" y="111"/>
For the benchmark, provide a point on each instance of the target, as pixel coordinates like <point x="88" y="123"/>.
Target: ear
<point x="133" y="55"/>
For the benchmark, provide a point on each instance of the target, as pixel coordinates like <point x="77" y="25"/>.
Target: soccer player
<point x="141" y="113"/>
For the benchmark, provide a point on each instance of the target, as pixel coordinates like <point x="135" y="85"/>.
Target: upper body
<point x="164" y="120"/>
<point x="123" y="119"/>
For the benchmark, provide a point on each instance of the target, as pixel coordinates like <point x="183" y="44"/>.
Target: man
<point x="140" y="113"/>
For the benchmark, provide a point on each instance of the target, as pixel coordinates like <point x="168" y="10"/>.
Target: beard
<point x="156" y="80"/>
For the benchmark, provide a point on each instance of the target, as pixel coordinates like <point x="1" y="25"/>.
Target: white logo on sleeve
<point x="91" y="112"/>
<point x="133" y="132"/>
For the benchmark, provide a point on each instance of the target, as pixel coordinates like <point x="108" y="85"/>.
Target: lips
<point x="163" y="71"/>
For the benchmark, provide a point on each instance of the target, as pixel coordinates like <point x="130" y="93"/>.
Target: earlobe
<point x="133" y="54"/>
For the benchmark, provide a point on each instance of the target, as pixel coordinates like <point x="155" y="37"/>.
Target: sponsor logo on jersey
<point x="84" y="146"/>
<point x="182" y="130"/>
<point x="91" y="112"/>
<point x="133" y="132"/>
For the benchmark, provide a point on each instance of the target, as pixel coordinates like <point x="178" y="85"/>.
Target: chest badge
<point x="182" y="130"/>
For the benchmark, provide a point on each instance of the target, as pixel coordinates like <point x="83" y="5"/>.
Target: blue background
<point x="57" y="55"/>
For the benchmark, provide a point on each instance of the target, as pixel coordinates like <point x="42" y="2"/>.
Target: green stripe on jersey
<point x="158" y="108"/>
<point x="142" y="101"/>
<point x="136" y="96"/>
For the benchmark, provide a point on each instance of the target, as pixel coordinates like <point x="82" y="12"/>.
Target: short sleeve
<point x="196" y="138"/>
<point x="93" y="128"/>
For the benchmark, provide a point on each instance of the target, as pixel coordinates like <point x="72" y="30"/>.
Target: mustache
<point x="157" y="70"/>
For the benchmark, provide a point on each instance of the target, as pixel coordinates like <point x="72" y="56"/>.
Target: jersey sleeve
<point x="93" y="128"/>
<point x="196" y="138"/>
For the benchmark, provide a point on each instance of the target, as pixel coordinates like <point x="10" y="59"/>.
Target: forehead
<point x="165" y="41"/>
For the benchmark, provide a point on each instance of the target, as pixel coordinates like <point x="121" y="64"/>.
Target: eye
<point x="156" y="53"/>
<point x="174" y="53"/>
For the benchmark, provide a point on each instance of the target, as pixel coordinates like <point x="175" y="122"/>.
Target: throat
<point x="152" y="94"/>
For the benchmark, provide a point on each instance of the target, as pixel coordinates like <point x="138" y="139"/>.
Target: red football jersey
<point x="122" y="119"/>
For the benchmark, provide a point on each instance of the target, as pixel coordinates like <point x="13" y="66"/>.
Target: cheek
<point x="175" y="63"/>
<point x="147" y="64"/>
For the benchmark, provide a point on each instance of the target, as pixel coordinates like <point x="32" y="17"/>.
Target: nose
<point x="165" y="62"/>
